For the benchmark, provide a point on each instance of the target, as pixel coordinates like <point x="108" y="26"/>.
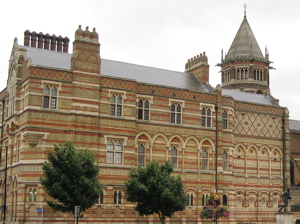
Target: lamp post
<point x="5" y="184"/>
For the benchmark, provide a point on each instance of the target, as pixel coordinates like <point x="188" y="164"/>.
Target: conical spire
<point x="244" y="43"/>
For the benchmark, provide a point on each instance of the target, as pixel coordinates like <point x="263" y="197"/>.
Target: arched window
<point x="225" y="161"/>
<point x="50" y="97"/>
<point x="174" y="157"/>
<point x="141" y="155"/>
<point x="143" y="109"/>
<point x="225" y="119"/>
<point x="224" y="199"/>
<point x="116" y="101"/>
<point x="206" y="116"/>
<point x="204" y="159"/>
<point x="118" y="197"/>
<point x="190" y="199"/>
<point x="114" y="152"/>
<point x="176" y="113"/>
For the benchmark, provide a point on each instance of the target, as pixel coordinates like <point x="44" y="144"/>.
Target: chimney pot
<point x="47" y="41"/>
<point x="40" y="40"/>
<point x="27" y="38"/>
<point x="53" y="42"/>
<point x="33" y="39"/>
<point x="59" y="43"/>
<point x="66" y="41"/>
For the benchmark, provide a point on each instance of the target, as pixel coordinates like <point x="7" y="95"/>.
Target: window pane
<point x="224" y="114"/>
<point x="54" y="91"/>
<point x="208" y="112"/>
<point x="46" y="90"/>
<point x="204" y="164"/>
<point x="119" y="146"/>
<point x="113" y="99"/>
<point x="141" y="160"/>
<point x="119" y="197"/>
<point x="173" y="107"/>
<point x="174" y="162"/>
<point x="53" y="102"/>
<point x="204" y="154"/>
<point x="209" y="122"/>
<point x="203" y="123"/>
<point x="146" y="104"/>
<point x="110" y="157"/>
<point x="112" y="110"/>
<point x="115" y="197"/>
<point x="174" y="152"/>
<point x="141" y="149"/>
<point x="118" y="158"/>
<point x="178" y="108"/>
<point x="119" y="99"/>
<point x="224" y="155"/>
<point x="119" y="110"/>
<point x="178" y="119"/>
<point x="140" y="113"/>
<point x="46" y="102"/>
<point x="140" y="104"/>
<point x="203" y="112"/>
<point x="110" y="145"/>
<point x="172" y="117"/>
<point x="146" y="115"/>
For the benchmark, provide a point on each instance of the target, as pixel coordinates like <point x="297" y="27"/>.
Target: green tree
<point x="155" y="190"/>
<point x="71" y="178"/>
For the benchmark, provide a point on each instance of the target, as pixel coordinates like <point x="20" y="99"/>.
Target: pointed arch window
<point x="116" y="104"/>
<point x="32" y="195"/>
<point x="225" y="161"/>
<point x="176" y="111"/>
<point x="114" y="152"/>
<point x="141" y="154"/>
<point x="225" y="119"/>
<point x="174" y="156"/>
<point x="206" y="116"/>
<point x="143" y="109"/>
<point x="204" y="159"/>
<point x="50" y="96"/>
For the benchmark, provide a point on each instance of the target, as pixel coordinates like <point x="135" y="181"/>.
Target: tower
<point x="244" y="66"/>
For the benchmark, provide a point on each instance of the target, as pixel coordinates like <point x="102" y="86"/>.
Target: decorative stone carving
<point x="33" y="138"/>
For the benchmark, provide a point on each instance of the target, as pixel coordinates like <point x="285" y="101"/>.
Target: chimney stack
<point x="46" y="41"/>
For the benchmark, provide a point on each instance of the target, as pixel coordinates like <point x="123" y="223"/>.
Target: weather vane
<point x="245" y="7"/>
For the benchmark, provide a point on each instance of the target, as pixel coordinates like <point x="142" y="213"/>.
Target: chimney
<point x="40" y="40"/>
<point x="59" y="43"/>
<point x="27" y="38"/>
<point x="88" y="43"/>
<point x="53" y="42"/>
<point x="47" y="41"/>
<point x="66" y="41"/>
<point x="33" y="39"/>
<point x="199" y="67"/>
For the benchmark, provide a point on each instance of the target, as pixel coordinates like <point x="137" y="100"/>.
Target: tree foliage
<point x="71" y="178"/>
<point x="155" y="190"/>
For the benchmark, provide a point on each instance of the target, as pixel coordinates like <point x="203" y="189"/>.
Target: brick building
<point x="233" y="139"/>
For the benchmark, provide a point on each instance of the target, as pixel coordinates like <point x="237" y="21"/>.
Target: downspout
<point x="216" y="151"/>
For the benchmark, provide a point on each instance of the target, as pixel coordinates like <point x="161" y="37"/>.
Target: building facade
<point x="233" y="140"/>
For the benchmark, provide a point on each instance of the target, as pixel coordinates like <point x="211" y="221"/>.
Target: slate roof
<point x="295" y="125"/>
<point x="139" y="73"/>
<point x="244" y="43"/>
<point x="248" y="97"/>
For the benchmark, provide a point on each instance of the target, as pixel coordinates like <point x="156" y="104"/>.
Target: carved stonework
<point x="33" y="138"/>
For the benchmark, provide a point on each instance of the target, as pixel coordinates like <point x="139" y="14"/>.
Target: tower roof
<point x="244" y="43"/>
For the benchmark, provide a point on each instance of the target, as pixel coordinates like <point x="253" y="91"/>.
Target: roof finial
<point x="245" y="7"/>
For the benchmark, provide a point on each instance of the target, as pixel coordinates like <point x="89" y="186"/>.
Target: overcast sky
<point x="165" y="33"/>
